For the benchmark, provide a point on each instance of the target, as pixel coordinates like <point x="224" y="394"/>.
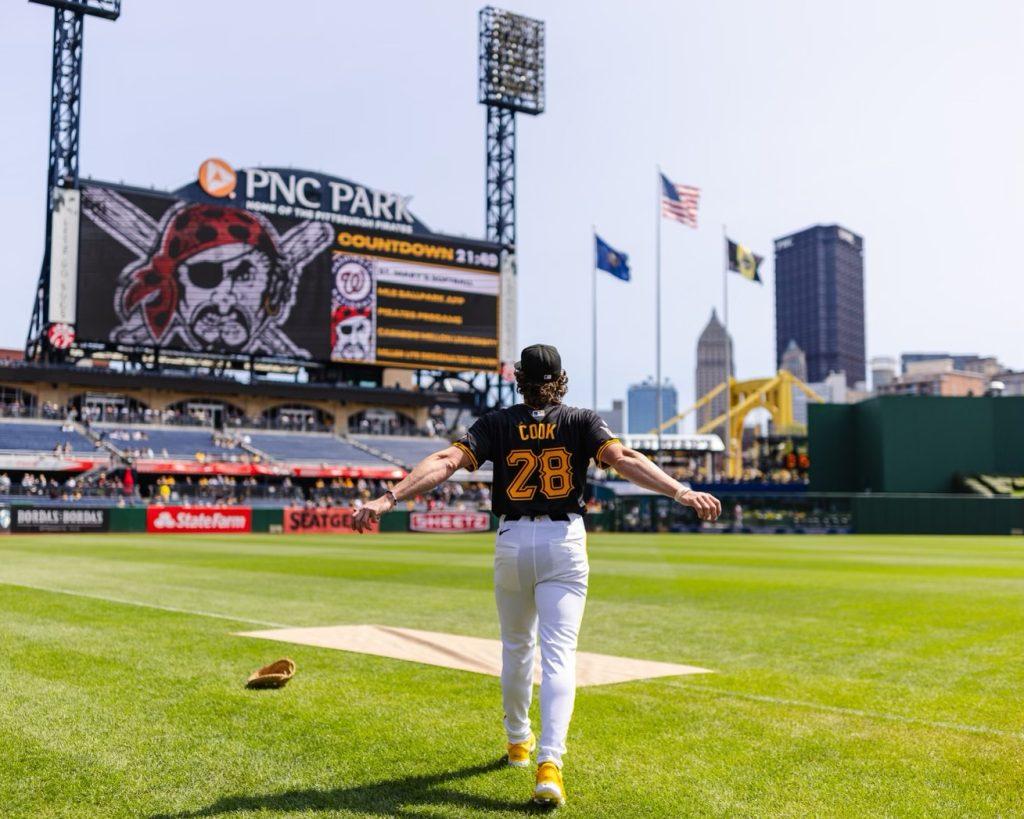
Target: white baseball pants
<point x="540" y="583"/>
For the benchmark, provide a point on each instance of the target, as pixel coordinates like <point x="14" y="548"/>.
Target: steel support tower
<point x="65" y="119"/>
<point x="511" y="81"/>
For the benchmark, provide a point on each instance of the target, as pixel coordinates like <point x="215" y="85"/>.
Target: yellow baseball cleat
<point x="549" y="789"/>
<point x="519" y="752"/>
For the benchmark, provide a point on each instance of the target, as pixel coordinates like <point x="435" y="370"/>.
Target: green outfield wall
<point x="937" y="515"/>
<point x="865" y="513"/>
<point x="904" y="443"/>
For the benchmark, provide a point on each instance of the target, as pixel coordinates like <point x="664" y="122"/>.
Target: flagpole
<point x="593" y="325"/>
<point x="657" y="306"/>
<point x="728" y="352"/>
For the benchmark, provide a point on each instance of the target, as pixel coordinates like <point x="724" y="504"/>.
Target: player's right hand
<point x="370" y="513"/>
<point x="707" y="507"/>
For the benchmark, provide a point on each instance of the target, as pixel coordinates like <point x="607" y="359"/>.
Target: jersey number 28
<point x="555" y="471"/>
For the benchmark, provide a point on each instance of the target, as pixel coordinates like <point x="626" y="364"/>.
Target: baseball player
<point x="540" y="450"/>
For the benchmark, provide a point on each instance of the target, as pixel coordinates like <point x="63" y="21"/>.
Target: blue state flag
<point x="611" y="260"/>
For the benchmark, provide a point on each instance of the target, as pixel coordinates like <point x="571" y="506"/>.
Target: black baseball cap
<point x="539" y="363"/>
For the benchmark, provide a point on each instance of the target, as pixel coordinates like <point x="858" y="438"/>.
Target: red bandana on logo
<point x="195" y="229"/>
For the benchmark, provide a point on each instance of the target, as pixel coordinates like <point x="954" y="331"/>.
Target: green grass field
<point x="855" y="676"/>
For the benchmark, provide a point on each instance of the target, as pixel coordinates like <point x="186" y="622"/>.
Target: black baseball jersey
<point x="540" y="457"/>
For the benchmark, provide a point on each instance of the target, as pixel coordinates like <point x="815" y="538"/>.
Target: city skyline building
<point x="642" y="406"/>
<point x="714" y="351"/>
<point x="961" y="362"/>
<point x="883" y="371"/>
<point x="614" y="417"/>
<point x="794" y="360"/>
<point x="935" y="381"/>
<point x="819" y="300"/>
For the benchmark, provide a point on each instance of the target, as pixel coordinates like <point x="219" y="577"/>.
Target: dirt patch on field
<point x="464" y="653"/>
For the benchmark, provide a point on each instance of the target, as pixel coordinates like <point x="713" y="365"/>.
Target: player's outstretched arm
<point x="430" y="472"/>
<point x="641" y="471"/>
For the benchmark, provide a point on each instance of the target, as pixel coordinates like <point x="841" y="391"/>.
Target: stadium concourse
<point x="46" y="461"/>
<point x="114" y="438"/>
<point x="102" y="447"/>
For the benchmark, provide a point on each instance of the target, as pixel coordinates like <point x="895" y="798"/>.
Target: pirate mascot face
<point x="219" y="280"/>
<point x="352" y="334"/>
<point x="216" y="279"/>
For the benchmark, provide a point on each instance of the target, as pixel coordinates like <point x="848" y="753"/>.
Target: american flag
<point x="679" y="202"/>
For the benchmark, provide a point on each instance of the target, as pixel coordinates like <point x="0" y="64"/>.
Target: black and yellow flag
<point x="744" y="262"/>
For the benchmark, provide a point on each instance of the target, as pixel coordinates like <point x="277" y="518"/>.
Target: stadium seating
<point x="406" y="450"/>
<point x="409" y="451"/>
<point x="179" y="443"/>
<point x="315" y="447"/>
<point x="43" y="436"/>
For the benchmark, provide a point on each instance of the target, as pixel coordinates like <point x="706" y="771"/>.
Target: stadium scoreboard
<point x="273" y="263"/>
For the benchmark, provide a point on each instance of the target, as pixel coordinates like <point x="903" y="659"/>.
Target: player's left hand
<point x="370" y="513"/>
<point x="707" y="507"/>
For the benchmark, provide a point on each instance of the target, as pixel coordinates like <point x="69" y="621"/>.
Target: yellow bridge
<point x="774" y="394"/>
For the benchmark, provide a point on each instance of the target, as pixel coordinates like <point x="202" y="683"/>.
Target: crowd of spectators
<point x="348" y="492"/>
<point x="695" y="471"/>
<point x="434" y="427"/>
<point x="20" y="409"/>
<point x="217" y="489"/>
<point x="68" y="488"/>
<point x="287" y="419"/>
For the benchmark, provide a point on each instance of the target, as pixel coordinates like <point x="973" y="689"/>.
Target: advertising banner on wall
<point x="282" y="265"/>
<point x="59" y="519"/>
<point x="449" y="521"/>
<point x="299" y="519"/>
<point x="198" y="519"/>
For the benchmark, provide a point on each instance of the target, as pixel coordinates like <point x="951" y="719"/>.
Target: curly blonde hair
<point x="539" y="396"/>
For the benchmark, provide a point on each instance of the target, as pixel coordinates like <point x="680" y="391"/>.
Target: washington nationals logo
<point x="207" y="278"/>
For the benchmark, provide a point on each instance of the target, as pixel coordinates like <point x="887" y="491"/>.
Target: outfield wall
<point x="911" y="443"/>
<point x="937" y="515"/>
<point x="868" y="514"/>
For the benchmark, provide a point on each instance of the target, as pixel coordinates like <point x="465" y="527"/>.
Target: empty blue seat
<point x="41" y="436"/>
<point x="407" y="450"/>
<point x="179" y="443"/>
<point x="316" y="447"/>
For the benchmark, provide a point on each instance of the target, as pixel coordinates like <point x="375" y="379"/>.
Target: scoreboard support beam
<point x="65" y="120"/>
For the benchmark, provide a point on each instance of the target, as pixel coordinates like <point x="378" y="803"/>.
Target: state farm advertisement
<point x="198" y="519"/>
<point x="298" y="519"/>
<point x="449" y="521"/>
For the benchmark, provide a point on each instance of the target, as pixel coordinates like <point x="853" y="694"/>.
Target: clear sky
<point x="900" y="120"/>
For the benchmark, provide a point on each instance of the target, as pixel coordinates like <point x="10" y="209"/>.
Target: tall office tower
<point x="713" y="350"/>
<point x="819" y="300"/>
<point x="642" y="407"/>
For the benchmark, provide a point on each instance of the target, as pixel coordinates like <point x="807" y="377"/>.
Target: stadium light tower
<point x="65" y="114"/>
<point x="511" y="80"/>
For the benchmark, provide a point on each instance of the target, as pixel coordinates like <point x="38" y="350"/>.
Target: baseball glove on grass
<point x="274" y="675"/>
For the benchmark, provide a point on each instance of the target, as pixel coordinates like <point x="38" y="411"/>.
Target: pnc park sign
<point x="304" y="195"/>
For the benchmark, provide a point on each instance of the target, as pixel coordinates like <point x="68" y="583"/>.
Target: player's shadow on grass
<point x="393" y="797"/>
